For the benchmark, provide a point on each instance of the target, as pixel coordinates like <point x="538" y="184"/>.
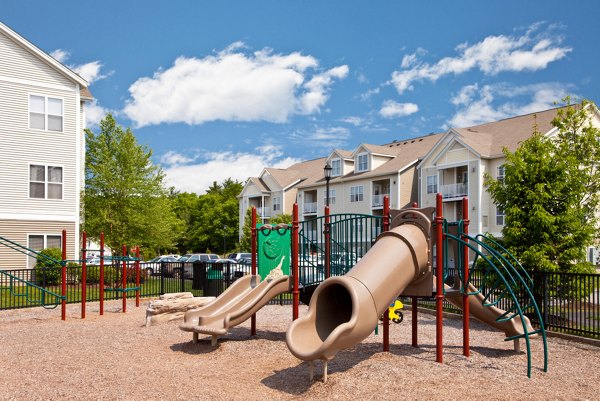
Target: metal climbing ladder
<point x="17" y="287"/>
<point x="504" y="282"/>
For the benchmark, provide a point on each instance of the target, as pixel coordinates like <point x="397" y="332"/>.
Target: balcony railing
<point x="309" y="207"/>
<point x="454" y="190"/>
<point x="264" y="211"/>
<point x="378" y="200"/>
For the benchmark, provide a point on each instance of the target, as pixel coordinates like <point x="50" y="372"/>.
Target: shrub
<point x="48" y="268"/>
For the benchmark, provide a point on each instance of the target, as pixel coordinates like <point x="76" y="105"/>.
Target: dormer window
<point x="362" y="162"/>
<point x="336" y="167"/>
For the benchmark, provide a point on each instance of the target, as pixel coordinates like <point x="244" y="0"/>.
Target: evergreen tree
<point x="550" y="193"/>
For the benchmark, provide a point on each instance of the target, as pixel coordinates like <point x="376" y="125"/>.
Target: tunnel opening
<point x="334" y="307"/>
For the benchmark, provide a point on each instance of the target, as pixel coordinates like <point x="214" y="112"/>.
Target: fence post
<point x="124" y="279"/>
<point x="465" y="267"/>
<point x="83" y="274"/>
<point x="64" y="276"/>
<point x="101" y="283"/>
<point x="295" y="258"/>
<point x="137" y="276"/>
<point x="545" y="301"/>
<point x="439" y="275"/>
<point x="254" y="256"/>
<point x="327" y="244"/>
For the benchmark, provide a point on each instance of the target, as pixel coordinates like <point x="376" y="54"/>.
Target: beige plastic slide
<point x="344" y="310"/>
<point x="234" y="306"/>
<point x="488" y="314"/>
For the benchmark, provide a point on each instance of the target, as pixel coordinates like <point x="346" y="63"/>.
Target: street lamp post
<point x="327" y="171"/>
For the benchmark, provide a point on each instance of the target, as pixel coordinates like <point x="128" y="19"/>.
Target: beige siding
<point x="270" y="182"/>
<point x="18" y="231"/>
<point x="409" y="188"/>
<point x="377" y="161"/>
<point x="290" y="199"/>
<point x="18" y="63"/>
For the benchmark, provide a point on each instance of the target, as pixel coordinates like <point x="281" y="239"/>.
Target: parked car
<point x="188" y="263"/>
<point x="153" y="265"/>
<point x="239" y="255"/>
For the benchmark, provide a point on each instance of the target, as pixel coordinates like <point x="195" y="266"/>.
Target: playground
<point x="116" y="357"/>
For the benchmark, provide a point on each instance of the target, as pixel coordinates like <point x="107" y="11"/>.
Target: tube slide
<point x="238" y="303"/>
<point x="344" y="310"/>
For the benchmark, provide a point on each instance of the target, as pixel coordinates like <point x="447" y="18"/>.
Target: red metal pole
<point x="137" y="276"/>
<point x="64" y="276"/>
<point x="414" y="302"/>
<point x="295" y="257"/>
<point x="101" y="273"/>
<point x="466" y="350"/>
<point x="439" y="273"/>
<point x="83" y="274"/>
<point x="327" y="245"/>
<point x="254" y="243"/>
<point x="124" y="279"/>
<point x="386" y="315"/>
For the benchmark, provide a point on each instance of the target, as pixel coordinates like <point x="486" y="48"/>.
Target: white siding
<point x="20" y="64"/>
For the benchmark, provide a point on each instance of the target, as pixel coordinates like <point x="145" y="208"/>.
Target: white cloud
<point x="198" y="177"/>
<point x="232" y="86"/>
<point x="88" y="71"/>
<point x="323" y="137"/>
<point x="353" y="120"/>
<point x="94" y="113"/>
<point x="392" y="109"/>
<point x="532" y="51"/>
<point x="495" y="102"/>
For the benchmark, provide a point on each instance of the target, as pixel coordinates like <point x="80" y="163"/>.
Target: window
<point x="336" y="167"/>
<point x="37" y="242"/>
<point x="356" y="193"/>
<point x="362" y="162"/>
<point x="432" y="184"/>
<point x="500" y="173"/>
<point x="276" y="203"/>
<point x="45" y="182"/>
<point x="331" y="196"/>
<point x="500" y="214"/>
<point x="45" y="113"/>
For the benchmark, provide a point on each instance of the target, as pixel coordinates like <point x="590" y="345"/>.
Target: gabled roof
<point x="344" y="154"/>
<point x="489" y="139"/>
<point x="43" y="56"/>
<point x="405" y="153"/>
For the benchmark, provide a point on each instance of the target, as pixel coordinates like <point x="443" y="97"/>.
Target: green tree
<point x="214" y="223"/>
<point x="124" y="192"/>
<point x="281" y="218"/>
<point x="246" y="240"/>
<point x="550" y="193"/>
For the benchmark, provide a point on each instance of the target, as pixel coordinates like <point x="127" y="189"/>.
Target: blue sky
<point x="220" y="89"/>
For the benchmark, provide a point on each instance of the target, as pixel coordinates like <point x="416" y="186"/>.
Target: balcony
<point x="263" y="212"/>
<point x="378" y="200"/>
<point x="309" y="208"/>
<point x="454" y="190"/>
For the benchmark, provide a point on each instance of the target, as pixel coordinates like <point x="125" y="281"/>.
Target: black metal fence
<point x="200" y="278"/>
<point x="568" y="302"/>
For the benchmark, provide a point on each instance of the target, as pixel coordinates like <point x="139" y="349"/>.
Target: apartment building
<point x="42" y="149"/>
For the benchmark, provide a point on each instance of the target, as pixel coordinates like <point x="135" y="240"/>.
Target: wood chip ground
<point x="115" y="357"/>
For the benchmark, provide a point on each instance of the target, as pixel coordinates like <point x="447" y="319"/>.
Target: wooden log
<point x="166" y="310"/>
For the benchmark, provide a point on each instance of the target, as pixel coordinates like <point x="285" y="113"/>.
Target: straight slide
<point x="238" y="303"/>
